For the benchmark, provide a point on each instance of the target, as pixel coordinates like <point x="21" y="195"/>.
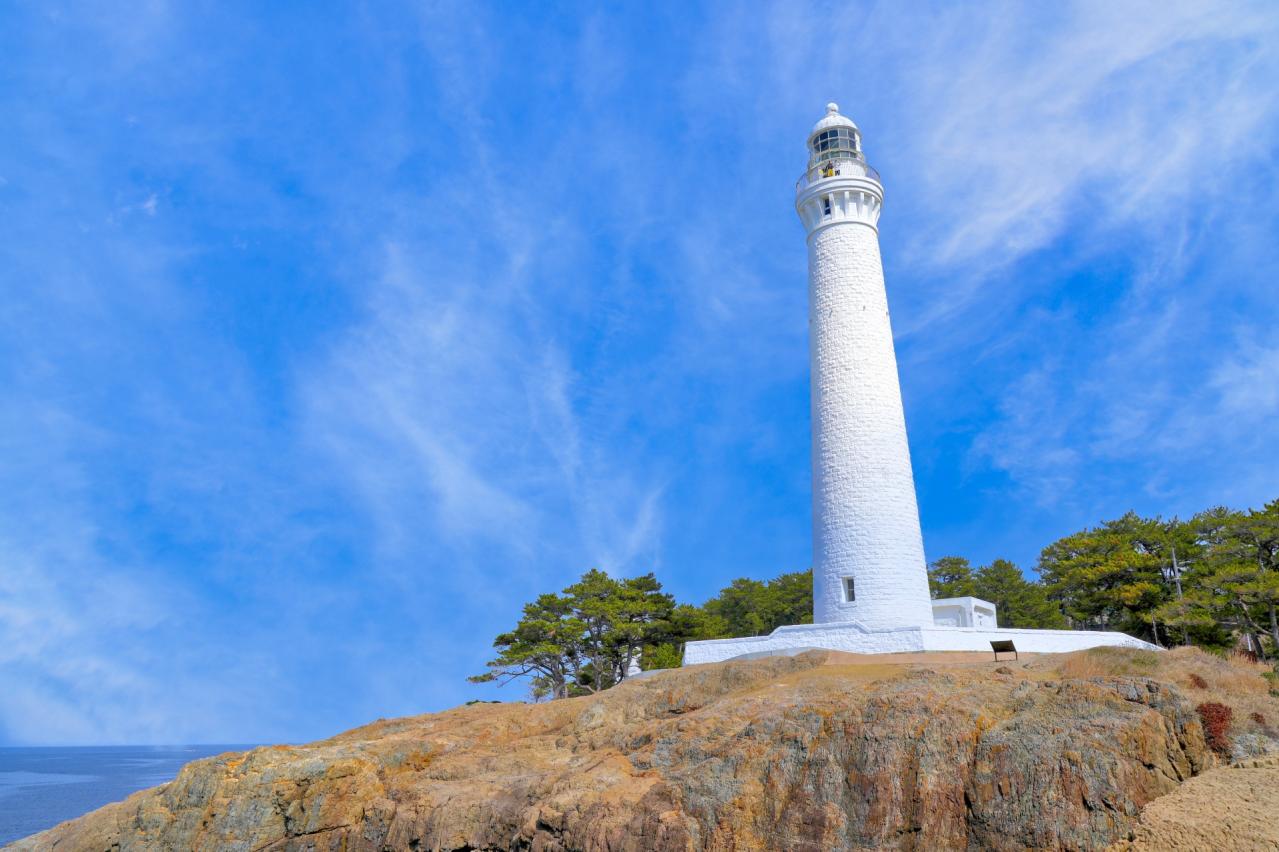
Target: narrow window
<point x="849" y="595"/>
<point x="826" y="206"/>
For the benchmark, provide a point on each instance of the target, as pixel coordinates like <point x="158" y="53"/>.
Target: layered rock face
<point x="806" y="753"/>
<point x="1231" y="809"/>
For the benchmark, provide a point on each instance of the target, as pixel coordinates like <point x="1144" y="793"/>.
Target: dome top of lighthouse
<point x="834" y="139"/>
<point x="831" y="119"/>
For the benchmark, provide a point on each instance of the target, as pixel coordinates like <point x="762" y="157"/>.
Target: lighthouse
<point x="870" y="585"/>
<point x="868" y="553"/>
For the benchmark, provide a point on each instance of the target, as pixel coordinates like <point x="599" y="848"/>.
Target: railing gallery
<point x="836" y="168"/>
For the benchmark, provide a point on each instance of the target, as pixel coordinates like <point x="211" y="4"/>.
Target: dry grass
<point x="1111" y="662"/>
<point x="1084" y="665"/>
<point x="1233" y="681"/>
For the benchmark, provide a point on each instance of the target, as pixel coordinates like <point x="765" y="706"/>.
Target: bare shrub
<point x="1197" y="681"/>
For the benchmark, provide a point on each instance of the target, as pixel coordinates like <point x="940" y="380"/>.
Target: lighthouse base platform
<point x="852" y="637"/>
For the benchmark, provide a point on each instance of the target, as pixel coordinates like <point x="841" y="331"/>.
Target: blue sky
<point x="331" y="334"/>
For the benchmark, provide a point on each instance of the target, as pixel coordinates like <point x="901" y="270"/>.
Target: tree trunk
<point x="1176" y="573"/>
<point x="597" y="657"/>
<point x="561" y="680"/>
<point x="1254" y="630"/>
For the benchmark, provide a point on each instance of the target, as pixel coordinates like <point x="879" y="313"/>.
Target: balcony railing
<point x="836" y="168"/>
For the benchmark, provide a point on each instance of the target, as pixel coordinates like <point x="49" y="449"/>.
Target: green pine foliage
<point x="1212" y="580"/>
<point x="951" y="577"/>
<point x="584" y="639"/>
<point x="751" y="608"/>
<point x="1019" y="602"/>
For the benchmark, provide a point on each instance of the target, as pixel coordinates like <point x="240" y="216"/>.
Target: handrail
<point x="836" y="168"/>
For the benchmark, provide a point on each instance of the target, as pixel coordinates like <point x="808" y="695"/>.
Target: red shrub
<point x="1198" y="682"/>
<point x="1216" y="721"/>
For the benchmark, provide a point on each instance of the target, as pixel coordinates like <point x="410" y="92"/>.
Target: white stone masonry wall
<point x="865" y="517"/>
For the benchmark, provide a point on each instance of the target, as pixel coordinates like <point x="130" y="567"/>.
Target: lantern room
<point x="835" y="137"/>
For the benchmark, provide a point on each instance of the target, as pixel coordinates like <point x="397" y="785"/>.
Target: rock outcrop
<point x="1231" y="809"/>
<point x="816" y="752"/>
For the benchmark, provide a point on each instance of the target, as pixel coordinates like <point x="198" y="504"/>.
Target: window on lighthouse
<point x="849" y="595"/>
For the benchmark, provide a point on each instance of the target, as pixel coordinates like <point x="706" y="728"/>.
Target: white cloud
<point x="446" y="399"/>
<point x="1109" y="131"/>
<point x="548" y="341"/>
<point x="1001" y="132"/>
<point x="433" y="379"/>
<point x="1122" y="112"/>
<point x="1248" y="383"/>
<point x="1081" y="132"/>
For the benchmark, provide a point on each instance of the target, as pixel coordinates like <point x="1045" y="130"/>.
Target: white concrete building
<point x="963" y="612"/>
<point x="870" y="581"/>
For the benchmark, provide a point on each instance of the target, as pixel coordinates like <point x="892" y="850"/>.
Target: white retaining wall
<point x="855" y="639"/>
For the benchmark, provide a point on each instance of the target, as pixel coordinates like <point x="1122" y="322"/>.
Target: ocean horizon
<point x="41" y="786"/>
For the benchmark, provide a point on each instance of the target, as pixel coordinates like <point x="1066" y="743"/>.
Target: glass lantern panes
<point x="838" y="143"/>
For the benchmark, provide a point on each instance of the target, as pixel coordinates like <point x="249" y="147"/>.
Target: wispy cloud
<point x="328" y="347"/>
<point x="1248" y="383"/>
<point x="1119" y="114"/>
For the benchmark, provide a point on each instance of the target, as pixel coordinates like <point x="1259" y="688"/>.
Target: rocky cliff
<point x="816" y="752"/>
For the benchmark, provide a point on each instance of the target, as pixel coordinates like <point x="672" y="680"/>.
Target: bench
<point x="1003" y="646"/>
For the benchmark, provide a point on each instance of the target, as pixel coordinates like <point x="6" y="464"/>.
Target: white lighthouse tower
<point x="868" y="554"/>
<point x="870" y="586"/>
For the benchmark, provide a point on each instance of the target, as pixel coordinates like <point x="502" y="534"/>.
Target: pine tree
<point x="950" y="577"/>
<point x="1018" y="601"/>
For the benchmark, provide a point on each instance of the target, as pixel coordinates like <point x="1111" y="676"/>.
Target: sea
<point x="40" y="787"/>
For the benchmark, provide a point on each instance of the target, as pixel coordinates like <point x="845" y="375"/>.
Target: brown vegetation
<point x="1232" y="681"/>
<point x="1216" y="718"/>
